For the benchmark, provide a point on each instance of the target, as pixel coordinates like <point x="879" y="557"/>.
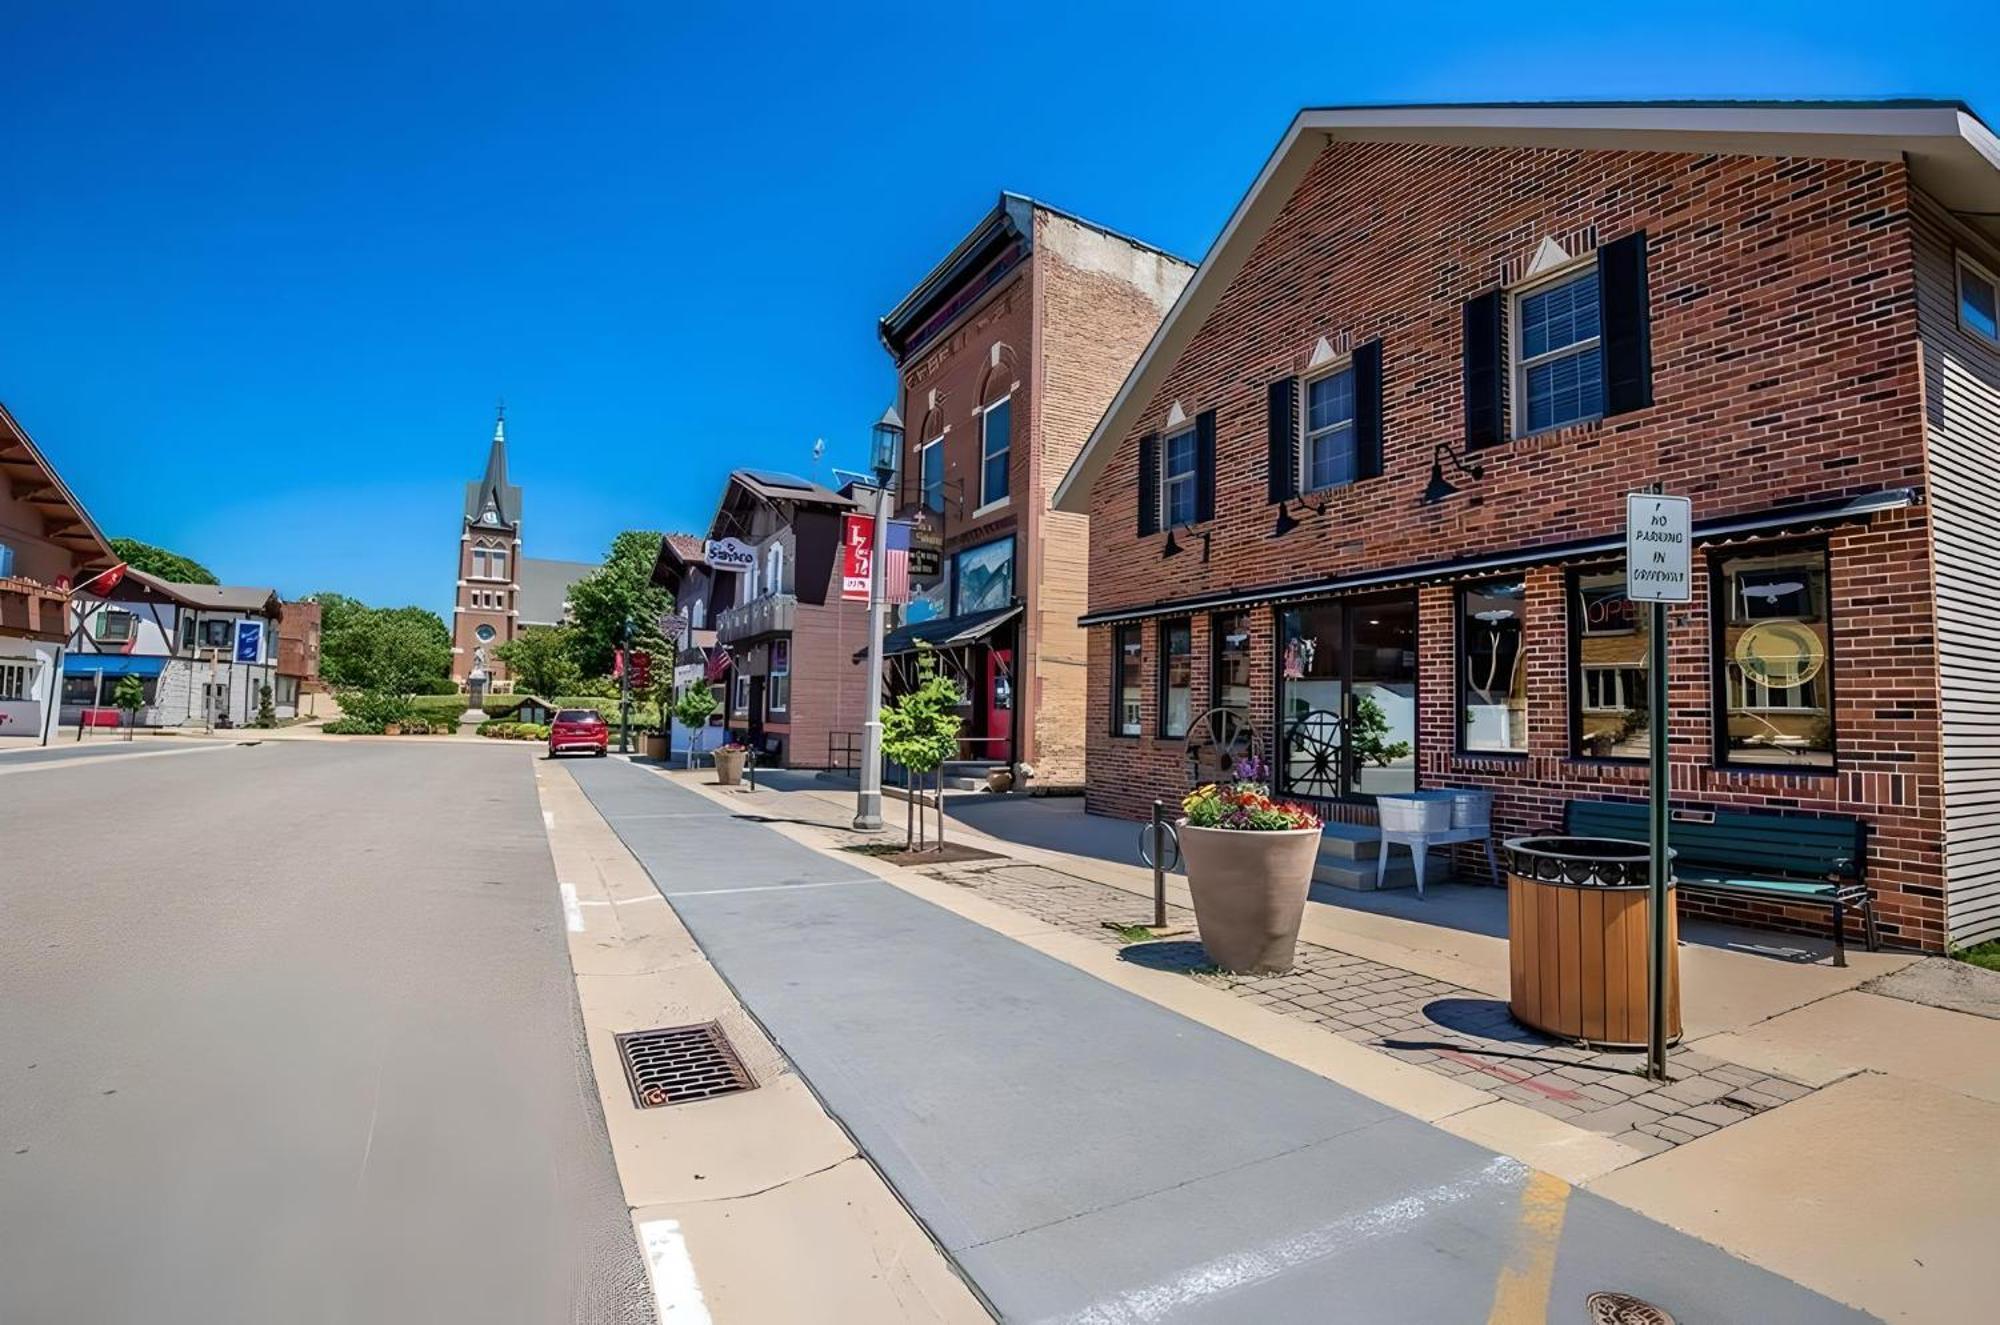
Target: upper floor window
<point x="187" y="630"/>
<point x="217" y="632"/>
<point x="6" y="559"/>
<point x="489" y="563"/>
<point x="1178" y="478"/>
<point x="778" y="696"/>
<point x="1558" y="360"/>
<point x="774" y="568"/>
<point x="1329" y="433"/>
<point x="930" y="474"/>
<point x="114" y="626"/>
<point x="995" y="444"/>
<point x="1978" y="300"/>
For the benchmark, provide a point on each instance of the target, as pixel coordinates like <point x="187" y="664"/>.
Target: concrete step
<point x="1347" y="860"/>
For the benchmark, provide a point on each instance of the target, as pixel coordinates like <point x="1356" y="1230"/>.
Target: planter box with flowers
<point x="1249" y="863"/>
<point x="729" y="763"/>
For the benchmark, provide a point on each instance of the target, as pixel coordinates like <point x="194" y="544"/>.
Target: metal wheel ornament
<point x="1311" y="755"/>
<point x="1216" y="742"/>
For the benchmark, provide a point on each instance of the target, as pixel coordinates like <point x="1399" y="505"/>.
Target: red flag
<point x="109" y="580"/>
<point x="617" y="663"/>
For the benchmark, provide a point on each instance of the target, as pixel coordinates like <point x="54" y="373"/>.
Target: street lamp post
<point x="625" y="687"/>
<point x="885" y="447"/>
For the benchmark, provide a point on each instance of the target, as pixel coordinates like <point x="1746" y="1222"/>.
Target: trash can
<point x="1578" y="939"/>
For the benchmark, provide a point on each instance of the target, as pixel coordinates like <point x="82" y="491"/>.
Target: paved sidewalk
<point x="1088" y="1155"/>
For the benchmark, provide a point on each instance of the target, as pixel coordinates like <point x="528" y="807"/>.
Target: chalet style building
<point x="1364" y="491"/>
<point x="1006" y="354"/>
<point x="203" y="653"/>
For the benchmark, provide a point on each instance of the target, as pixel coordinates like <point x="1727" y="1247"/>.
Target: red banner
<point x="857" y="557"/>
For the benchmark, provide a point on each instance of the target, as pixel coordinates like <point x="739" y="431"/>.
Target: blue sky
<point x="265" y="268"/>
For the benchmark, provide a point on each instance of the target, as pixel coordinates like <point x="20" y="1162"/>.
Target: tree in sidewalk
<point x="621" y="589"/>
<point x="920" y="732"/>
<point x="267" y="711"/>
<point x="130" y="696"/>
<point x="542" y="661"/>
<point x="694" y="708"/>
<point x="158" y="561"/>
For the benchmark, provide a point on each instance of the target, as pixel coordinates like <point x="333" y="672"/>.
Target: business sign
<point x="857" y="558"/>
<point x="249" y="640"/>
<point x="1659" y="548"/>
<point x="674" y="628"/>
<point x="926" y="553"/>
<point x="729" y="554"/>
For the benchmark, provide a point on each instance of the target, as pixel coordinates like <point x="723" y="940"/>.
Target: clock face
<point x="491" y="517"/>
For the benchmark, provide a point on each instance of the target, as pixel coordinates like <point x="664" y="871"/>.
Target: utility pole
<point x="885" y="447"/>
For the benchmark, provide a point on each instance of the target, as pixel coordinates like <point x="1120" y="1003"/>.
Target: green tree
<point x="622" y="588"/>
<point x="694" y="708"/>
<point x="353" y="638"/>
<point x="920" y="732"/>
<point x="158" y="561"/>
<point x="542" y="661"/>
<point x="267" y="712"/>
<point x="130" y="695"/>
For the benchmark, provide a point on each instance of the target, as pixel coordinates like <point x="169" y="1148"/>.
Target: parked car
<point x="579" y="729"/>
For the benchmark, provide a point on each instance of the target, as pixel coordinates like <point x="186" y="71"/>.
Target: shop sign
<point x="729" y="554"/>
<point x="926" y="553"/>
<point x="1783" y="655"/>
<point x="1658" y="548"/>
<point x="857" y="558"/>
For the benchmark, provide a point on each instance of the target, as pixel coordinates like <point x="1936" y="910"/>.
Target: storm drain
<point x="1624" y="1309"/>
<point x="680" y="1064"/>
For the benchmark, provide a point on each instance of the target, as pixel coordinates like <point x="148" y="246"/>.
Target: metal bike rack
<point x="1154" y="840"/>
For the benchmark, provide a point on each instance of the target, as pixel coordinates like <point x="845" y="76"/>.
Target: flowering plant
<point x="1245" y="806"/>
<point x="731" y="748"/>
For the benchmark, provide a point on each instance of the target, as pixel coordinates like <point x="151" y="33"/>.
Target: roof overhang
<point x="1952" y="156"/>
<point x="36" y="483"/>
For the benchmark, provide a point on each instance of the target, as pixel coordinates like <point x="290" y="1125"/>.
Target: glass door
<point x="1348" y="698"/>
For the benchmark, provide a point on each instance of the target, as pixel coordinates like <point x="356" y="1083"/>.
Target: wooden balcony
<point x="773" y="614"/>
<point x="31" y="609"/>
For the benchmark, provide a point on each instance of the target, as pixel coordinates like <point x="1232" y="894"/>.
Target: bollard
<point x="1159" y="864"/>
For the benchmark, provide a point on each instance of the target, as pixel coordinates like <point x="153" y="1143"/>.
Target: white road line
<point x="549" y="819"/>
<point x="43" y="765"/>
<point x="676" y="1290"/>
<point x="572" y="913"/>
<point x="766" y="888"/>
<point x="1169" y="1297"/>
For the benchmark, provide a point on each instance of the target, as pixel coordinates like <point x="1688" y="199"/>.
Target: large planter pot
<point x="1249" y="893"/>
<point x="392" y="729"/>
<point x="656" y="746"/>
<point x="729" y="767"/>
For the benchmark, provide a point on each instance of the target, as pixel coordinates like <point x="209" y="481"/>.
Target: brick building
<point x="1391" y="423"/>
<point x="298" y="656"/>
<point x="1006" y="354"/>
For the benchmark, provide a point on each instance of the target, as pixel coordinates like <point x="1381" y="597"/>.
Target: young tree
<point x="543" y="661"/>
<point x="130" y="695"/>
<point x="694" y="708"/>
<point x="158" y="561"/>
<point x="267" y="712"/>
<point x="920" y="732"/>
<point x="622" y="588"/>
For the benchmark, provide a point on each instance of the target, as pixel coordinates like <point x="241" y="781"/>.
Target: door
<point x="999" y="707"/>
<point x="1348" y="698"/>
<point x="756" y="715"/>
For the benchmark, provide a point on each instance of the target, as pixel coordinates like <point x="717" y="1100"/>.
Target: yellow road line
<point x="1521" y="1296"/>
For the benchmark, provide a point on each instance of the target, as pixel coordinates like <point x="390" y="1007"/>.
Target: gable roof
<point x="203" y="597"/>
<point x="544" y="589"/>
<point x="66" y="523"/>
<point x="1951" y="153"/>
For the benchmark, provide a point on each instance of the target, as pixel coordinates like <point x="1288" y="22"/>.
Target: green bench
<point x="1798" y="858"/>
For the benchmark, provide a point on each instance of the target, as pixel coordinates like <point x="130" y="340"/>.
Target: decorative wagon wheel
<point x="1216" y="742"/>
<point x="1312" y="753"/>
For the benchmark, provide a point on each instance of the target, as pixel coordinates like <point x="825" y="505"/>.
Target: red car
<point x="579" y="729"/>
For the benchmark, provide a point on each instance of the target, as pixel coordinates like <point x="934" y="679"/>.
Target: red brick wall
<point x="1785" y="369"/>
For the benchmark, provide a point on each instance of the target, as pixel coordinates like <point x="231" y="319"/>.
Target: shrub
<point x="374" y="706"/>
<point x="350" y="726"/>
<point x="514" y="731"/>
<point x="1245" y="806"/>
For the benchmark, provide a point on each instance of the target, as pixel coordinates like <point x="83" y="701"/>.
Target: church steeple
<point x="492" y="501"/>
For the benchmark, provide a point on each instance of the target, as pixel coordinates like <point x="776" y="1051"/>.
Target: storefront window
<point x="1126" y="651"/>
<point x="1176" y="677"/>
<point x="1492" y="677"/>
<point x="1229" y="638"/>
<point x="1608" y="661"/>
<point x="1775" y="668"/>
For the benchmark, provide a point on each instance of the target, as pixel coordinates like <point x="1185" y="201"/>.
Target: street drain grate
<point x="1624" y="1309"/>
<point x="680" y="1064"/>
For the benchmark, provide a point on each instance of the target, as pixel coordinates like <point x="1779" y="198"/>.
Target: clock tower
<point x="489" y="568"/>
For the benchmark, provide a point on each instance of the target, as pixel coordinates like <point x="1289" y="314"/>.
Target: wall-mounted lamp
<point x="1441" y="487"/>
<point x="1172" y="547"/>
<point x="1288" y="522"/>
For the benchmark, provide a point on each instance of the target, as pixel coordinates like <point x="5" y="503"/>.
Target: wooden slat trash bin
<point x="1577" y="940"/>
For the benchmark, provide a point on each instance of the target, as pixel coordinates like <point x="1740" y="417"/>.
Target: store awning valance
<point x="946" y="632"/>
<point x="112" y="664"/>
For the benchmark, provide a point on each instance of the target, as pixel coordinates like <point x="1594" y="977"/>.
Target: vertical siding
<point x="1962" y="404"/>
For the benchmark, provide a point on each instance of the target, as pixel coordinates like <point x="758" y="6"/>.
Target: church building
<point x="500" y="592"/>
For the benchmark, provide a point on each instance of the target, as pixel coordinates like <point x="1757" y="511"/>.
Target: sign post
<point x="1658" y="571"/>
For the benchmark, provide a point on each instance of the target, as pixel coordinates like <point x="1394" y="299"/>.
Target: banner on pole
<point x="857" y="558"/>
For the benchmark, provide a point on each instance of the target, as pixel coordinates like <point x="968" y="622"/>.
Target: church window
<point x="485" y="634"/>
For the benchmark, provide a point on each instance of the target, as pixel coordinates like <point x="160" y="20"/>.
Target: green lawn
<point x="1983" y="954"/>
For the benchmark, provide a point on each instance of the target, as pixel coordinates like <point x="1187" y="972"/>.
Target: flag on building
<point x="719" y="662"/>
<point x="896" y="564"/>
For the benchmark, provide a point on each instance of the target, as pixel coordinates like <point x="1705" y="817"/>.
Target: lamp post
<point x="885" y="445"/>
<point x="625" y="687"/>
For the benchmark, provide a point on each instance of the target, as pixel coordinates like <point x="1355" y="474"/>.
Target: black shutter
<point x="1204" y="466"/>
<point x="1368" y="410"/>
<point x="1627" y="325"/>
<point x="1149" y="484"/>
<point x="1485" y="414"/>
<point x="1281" y="464"/>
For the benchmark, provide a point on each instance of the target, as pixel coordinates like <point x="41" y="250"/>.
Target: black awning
<point x="945" y="632"/>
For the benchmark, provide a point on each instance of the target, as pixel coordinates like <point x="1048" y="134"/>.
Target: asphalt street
<point x="288" y="1033"/>
<point x="1089" y="1156"/>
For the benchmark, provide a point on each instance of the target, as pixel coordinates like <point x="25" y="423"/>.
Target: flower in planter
<point x="1244" y="806"/>
<point x="733" y="748"/>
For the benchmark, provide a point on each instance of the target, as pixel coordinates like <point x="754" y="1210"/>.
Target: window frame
<point x="104" y="617"/>
<point x="1305" y="438"/>
<point x="1573" y="636"/>
<point x="778" y="698"/>
<point x="1461" y="592"/>
<point x="739" y="694"/>
<point x="925" y="450"/>
<point x="1967" y="263"/>
<point x="1218" y="653"/>
<point x="16" y="683"/>
<point x="1719" y="614"/>
<point x="774" y="568"/>
<point x="1161" y="726"/>
<point x="987" y="501"/>
<point x="1119" y="633"/>
<point x="204" y="634"/>
<point x="1518" y="363"/>
<point x="1168" y="479"/>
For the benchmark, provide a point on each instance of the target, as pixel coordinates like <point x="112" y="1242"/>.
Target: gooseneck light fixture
<point x="1441" y="487"/>
<point x="1173" y="548"/>
<point x="1287" y="521"/>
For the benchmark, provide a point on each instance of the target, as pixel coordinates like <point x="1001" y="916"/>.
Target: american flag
<point x="718" y="664"/>
<point x="896" y="565"/>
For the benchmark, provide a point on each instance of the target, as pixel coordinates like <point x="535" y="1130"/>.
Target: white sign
<point x="1658" y="549"/>
<point x="729" y="554"/>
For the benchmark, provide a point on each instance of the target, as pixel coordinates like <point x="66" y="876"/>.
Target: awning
<point x="945" y="632"/>
<point x="112" y="664"/>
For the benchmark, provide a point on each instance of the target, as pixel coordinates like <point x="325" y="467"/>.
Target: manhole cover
<point x="1624" y="1309"/>
<point x="681" y="1063"/>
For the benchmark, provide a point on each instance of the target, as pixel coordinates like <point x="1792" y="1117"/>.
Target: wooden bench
<point x="1777" y="857"/>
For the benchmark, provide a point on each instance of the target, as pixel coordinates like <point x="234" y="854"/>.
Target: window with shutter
<point x="1484" y="379"/>
<point x="1149" y="484"/>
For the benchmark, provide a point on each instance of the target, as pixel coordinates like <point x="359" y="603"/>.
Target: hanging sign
<point x="249" y="640"/>
<point x="857" y="558"/>
<point x="729" y="554"/>
<point x="1658" y="548"/>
